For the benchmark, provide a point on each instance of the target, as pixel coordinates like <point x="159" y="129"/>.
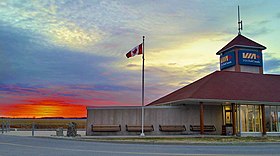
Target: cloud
<point x="25" y="61"/>
<point x="258" y="31"/>
<point x="44" y="18"/>
<point x="272" y="66"/>
<point x="258" y="28"/>
<point x="71" y="94"/>
<point x="132" y="65"/>
<point x="173" y="75"/>
<point x="165" y="79"/>
<point x="43" y="108"/>
<point x="172" y="64"/>
<point x="75" y="50"/>
<point x="278" y="15"/>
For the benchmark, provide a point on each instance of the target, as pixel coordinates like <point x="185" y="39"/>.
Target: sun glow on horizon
<point x="45" y="108"/>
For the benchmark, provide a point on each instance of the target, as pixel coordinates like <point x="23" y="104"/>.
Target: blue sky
<point x="75" y="49"/>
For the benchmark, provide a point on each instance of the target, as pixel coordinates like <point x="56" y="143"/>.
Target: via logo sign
<point x="251" y="58"/>
<point x="227" y="60"/>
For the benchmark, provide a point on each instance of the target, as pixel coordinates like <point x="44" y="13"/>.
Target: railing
<point x="5" y="126"/>
<point x="38" y="127"/>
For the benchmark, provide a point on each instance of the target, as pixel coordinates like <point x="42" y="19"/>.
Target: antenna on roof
<point x="239" y="22"/>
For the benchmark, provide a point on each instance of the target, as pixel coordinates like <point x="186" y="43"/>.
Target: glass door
<point x="228" y="115"/>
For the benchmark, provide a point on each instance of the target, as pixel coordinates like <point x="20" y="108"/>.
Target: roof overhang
<point x="129" y="107"/>
<point x="217" y="102"/>
<point x="240" y="46"/>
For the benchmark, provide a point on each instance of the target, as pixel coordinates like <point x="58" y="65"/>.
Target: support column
<point x="201" y="118"/>
<point x="237" y="66"/>
<point x="263" y="121"/>
<point x="233" y="119"/>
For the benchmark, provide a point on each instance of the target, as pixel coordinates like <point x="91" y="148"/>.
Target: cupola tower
<point x="241" y="54"/>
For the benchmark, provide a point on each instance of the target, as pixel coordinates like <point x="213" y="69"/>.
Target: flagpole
<point x="142" y="108"/>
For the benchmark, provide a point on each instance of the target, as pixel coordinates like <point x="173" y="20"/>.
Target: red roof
<point x="241" y="41"/>
<point x="227" y="85"/>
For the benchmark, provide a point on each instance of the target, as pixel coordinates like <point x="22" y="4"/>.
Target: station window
<point x="251" y="118"/>
<point x="272" y="115"/>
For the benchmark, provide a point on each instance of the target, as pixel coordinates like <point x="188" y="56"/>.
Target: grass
<point x="194" y="139"/>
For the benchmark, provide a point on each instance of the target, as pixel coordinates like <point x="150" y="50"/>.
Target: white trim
<point x="132" y="107"/>
<point x="219" y="101"/>
<point x="245" y="134"/>
<point x="273" y="133"/>
<point x="240" y="117"/>
<point x="242" y="46"/>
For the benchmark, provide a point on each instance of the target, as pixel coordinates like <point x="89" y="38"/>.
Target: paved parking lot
<point x="36" y="146"/>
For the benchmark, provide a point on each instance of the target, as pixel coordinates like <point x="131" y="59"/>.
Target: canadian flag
<point x="138" y="50"/>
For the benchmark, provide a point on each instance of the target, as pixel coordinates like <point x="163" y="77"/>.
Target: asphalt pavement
<point x="35" y="146"/>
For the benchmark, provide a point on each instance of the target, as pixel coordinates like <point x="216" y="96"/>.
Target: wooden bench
<point x="172" y="128"/>
<point x="207" y="128"/>
<point x="136" y="128"/>
<point x="106" y="128"/>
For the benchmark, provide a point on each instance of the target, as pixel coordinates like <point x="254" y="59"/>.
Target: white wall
<point x="250" y="69"/>
<point x="156" y="115"/>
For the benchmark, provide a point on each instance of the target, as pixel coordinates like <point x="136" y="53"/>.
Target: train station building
<point x="237" y="100"/>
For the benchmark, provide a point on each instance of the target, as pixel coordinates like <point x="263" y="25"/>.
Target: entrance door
<point x="228" y="116"/>
<point x="227" y="128"/>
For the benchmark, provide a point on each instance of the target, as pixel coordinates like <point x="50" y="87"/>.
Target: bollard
<point x="59" y="131"/>
<point x="6" y="126"/>
<point x="9" y="126"/>
<point x="33" y="127"/>
<point x="2" y="127"/>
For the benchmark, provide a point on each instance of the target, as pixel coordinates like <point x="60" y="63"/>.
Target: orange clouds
<point x="43" y="108"/>
<point x="29" y="101"/>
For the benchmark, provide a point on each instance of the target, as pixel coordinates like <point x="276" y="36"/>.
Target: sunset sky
<point x="57" y="57"/>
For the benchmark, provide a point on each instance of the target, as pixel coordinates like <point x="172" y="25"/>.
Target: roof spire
<point x="239" y="22"/>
